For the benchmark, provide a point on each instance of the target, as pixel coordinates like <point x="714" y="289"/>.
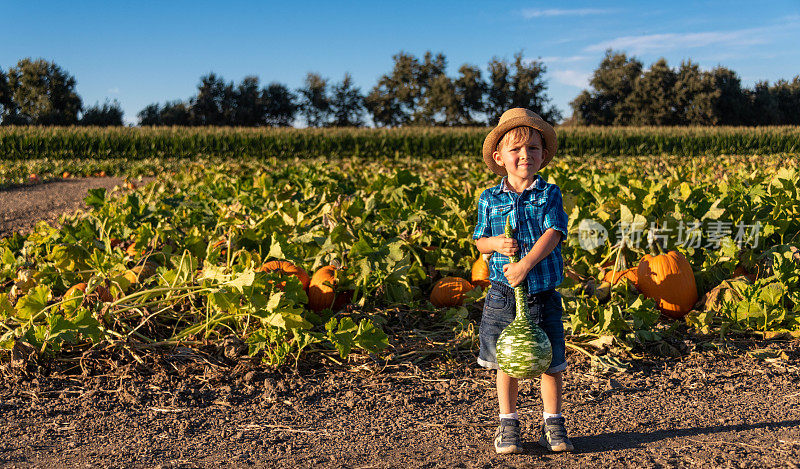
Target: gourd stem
<point x="655" y="248"/>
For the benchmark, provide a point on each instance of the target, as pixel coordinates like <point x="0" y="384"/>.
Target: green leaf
<point x="96" y="198"/>
<point x="370" y="338"/>
<point x="88" y="326"/>
<point x="288" y="318"/>
<point x="714" y="212"/>
<point x="7" y="258"/>
<point x="31" y="304"/>
<point x="341" y="334"/>
<point x="6" y="309"/>
<point x="772" y="294"/>
<point x="244" y="279"/>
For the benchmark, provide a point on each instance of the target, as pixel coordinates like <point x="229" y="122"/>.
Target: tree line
<point x="418" y="91"/>
<point x="624" y="93"/>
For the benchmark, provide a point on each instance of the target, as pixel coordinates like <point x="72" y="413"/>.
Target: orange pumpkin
<point x="322" y="289"/>
<point x="480" y="273"/>
<point x="450" y="291"/>
<point x="287" y="268"/>
<point x="668" y="279"/>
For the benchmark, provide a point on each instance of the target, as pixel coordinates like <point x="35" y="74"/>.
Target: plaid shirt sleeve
<point x="554" y="214"/>
<point x="482" y="228"/>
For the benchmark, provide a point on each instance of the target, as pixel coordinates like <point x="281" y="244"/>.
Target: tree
<point x="315" y="106"/>
<point x="612" y="81"/>
<point x="470" y="89"/>
<point x="214" y="103"/>
<point x="652" y="100"/>
<point x="763" y="106"/>
<point x="248" y="107"/>
<point x="393" y="101"/>
<point x="694" y="96"/>
<point x="43" y="94"/>
<point x="730" y="104"/>
<point x="176" y="113"/>
<point x="109" y="114"/>
<point x="442" y="106"/>
<point x="787" y="94"/>
<point x="280" y="105"/>
<point x="529" y="88"/>
<point x="433" y="100"/>
<point x="347" y="104"/>
<point x="518" y="84"/>
<point x="499" y="96"/>
<point x="150" y="115"/>
<point x="6" y="103"/>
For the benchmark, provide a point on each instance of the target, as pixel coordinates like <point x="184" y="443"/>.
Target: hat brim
<point x="490" y="143"/>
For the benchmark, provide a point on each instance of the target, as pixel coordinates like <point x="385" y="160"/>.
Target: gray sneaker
<point x="554" y="435"/>
<point x="507" y="439"/>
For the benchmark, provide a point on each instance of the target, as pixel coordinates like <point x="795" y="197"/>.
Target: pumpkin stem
<point x="655" y="248"/>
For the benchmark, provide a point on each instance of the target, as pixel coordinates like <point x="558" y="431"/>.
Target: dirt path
<point x="22" y="207"/>
<point x="704" y="410"/>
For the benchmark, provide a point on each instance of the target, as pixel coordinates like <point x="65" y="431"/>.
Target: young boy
<point x="520" y="145"/>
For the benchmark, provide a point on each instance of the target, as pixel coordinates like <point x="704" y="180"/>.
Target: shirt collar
<point x="538" y="183"/>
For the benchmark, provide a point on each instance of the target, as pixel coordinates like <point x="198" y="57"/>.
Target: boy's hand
<point x="506" y="246"/>
<point x="515" y="273"/>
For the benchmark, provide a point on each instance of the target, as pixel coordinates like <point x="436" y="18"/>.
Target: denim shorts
<point x="499" y="309"/>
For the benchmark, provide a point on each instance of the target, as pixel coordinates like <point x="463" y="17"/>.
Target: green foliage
<point x="109" y="114"/>
<point x="42" y="94"/>
<point x="394" y="226"/>
<point x="624" y="94"/>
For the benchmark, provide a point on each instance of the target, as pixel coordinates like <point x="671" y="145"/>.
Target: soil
<point x="197" y="408"/>
<point x="22" y="207"/>
<point x="733" y="407"/>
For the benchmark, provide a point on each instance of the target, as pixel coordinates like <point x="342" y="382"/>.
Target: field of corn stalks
<point x="20" y="143"/>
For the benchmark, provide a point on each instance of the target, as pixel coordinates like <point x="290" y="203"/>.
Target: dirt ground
<point x="186" y="408"/>
<point x="737" y="407"/>
<point x="22" y="207"/>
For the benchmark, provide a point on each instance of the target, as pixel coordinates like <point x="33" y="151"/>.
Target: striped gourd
<point x="523" y="349"/>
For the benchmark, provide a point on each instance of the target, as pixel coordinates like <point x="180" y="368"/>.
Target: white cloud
<point x="537" y="13"/>
<point x="572" y="78"/>
<point x="113" y="90"/>
<point x="649" y="43"/>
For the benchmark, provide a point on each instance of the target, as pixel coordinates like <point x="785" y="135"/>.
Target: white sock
<point x="548" y="416"/>
<point x="512" y="415"/>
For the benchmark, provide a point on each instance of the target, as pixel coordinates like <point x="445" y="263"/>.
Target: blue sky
<point x="144" y="52"/>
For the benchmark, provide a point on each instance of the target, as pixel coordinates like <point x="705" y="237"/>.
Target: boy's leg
<point x="552" y="385"/>
<point x="554" y="435"/>
<point x="507" y="391"/>
<point x="507" y="438"/>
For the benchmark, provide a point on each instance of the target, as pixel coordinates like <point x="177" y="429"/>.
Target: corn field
<point x="22" y="143"/>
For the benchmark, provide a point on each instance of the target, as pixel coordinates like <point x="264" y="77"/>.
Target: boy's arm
<point x="516" y="272"/>
<point x="501" y="244"/>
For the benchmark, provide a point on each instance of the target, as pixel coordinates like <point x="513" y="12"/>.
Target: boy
<point x="520" y="145"/>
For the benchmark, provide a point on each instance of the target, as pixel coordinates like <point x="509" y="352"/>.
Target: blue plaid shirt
<point x="538" y="208"/>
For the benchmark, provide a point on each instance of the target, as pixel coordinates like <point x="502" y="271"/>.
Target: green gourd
<point x="523" y="349"/>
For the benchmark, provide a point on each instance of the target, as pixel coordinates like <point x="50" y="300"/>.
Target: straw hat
<point x="518" y="117"/>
